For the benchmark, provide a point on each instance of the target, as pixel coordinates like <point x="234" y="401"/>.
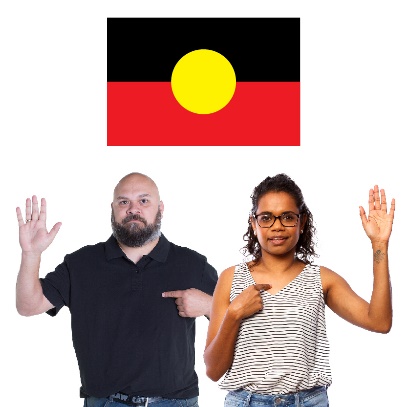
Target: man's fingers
<point x="260" y="287"/>
<point x="43" y="212"/>
<point x="55" y="230"/>
<point x="28" y="208"/>
<point x="35" y="211"/>
<point x="32" y="212"/>
<point x="19" y="217"/>
<point x="173" y="294"/>
<point x="179" y="301"/>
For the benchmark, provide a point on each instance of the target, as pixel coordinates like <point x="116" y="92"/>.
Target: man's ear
<point x="161" y="207"/>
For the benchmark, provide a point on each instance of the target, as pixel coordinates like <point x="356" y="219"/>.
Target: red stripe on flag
<point x="147" y="114"/>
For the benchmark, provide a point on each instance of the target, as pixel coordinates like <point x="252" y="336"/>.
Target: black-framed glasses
<point x="267" y="219"/>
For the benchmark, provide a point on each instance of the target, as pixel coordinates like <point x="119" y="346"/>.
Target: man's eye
<point x="123" y="202"/>
<point x="143" y="201"/>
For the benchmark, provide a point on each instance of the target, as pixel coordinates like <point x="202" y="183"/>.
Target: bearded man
<point x="133" y="342"/>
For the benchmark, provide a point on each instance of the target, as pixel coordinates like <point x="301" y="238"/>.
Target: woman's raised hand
<point x="378" y="223"/>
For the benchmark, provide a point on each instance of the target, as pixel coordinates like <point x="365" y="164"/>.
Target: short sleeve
<point x="209" y="279"/>
<point x="56" y="288"/>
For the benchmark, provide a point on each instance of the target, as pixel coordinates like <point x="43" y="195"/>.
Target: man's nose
<point x="133" y="208"/>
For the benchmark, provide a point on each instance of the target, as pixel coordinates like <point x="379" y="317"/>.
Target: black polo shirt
<point x="126" y="336"/>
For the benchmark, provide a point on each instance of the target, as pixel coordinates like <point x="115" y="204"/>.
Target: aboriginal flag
<point x="203" y="81"/>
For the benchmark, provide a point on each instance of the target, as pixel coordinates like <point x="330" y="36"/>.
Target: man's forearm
<point x="208" y="307"/>
<point x="29" y="295"/>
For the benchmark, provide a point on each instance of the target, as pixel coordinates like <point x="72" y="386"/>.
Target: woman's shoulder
<point x="228" y="274"/>
<point x="329" y="277"/>
<point x="327" y="272"/>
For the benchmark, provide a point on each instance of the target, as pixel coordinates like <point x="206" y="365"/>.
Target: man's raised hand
<point x="33" y="235"/>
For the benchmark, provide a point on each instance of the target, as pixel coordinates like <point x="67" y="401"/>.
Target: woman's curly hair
<point x="304" y="249"/>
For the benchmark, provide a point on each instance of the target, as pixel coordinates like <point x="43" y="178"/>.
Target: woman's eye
<point x="265" y="218"/>
<point x="289" y="216"/>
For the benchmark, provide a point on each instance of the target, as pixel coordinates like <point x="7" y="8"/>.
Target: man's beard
<point x="134" y="235"/>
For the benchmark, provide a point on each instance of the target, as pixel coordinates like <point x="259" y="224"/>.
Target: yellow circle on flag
<point x="203" y="81"/>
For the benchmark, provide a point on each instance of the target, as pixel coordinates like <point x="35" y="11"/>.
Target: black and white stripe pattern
<point x="284" y="347"/>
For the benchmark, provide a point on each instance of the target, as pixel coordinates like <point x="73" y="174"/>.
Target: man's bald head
<point x="136" y="180"/>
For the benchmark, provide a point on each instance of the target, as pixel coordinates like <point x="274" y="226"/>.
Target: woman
<point x="267" y="325"/>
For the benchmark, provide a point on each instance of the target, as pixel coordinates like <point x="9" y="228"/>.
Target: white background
<point x="53" y="132"/>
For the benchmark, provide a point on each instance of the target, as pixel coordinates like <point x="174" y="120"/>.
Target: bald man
<point x="133" y="301"/>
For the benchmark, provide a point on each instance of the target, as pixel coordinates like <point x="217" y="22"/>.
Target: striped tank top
<point x="282" y="348"/>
